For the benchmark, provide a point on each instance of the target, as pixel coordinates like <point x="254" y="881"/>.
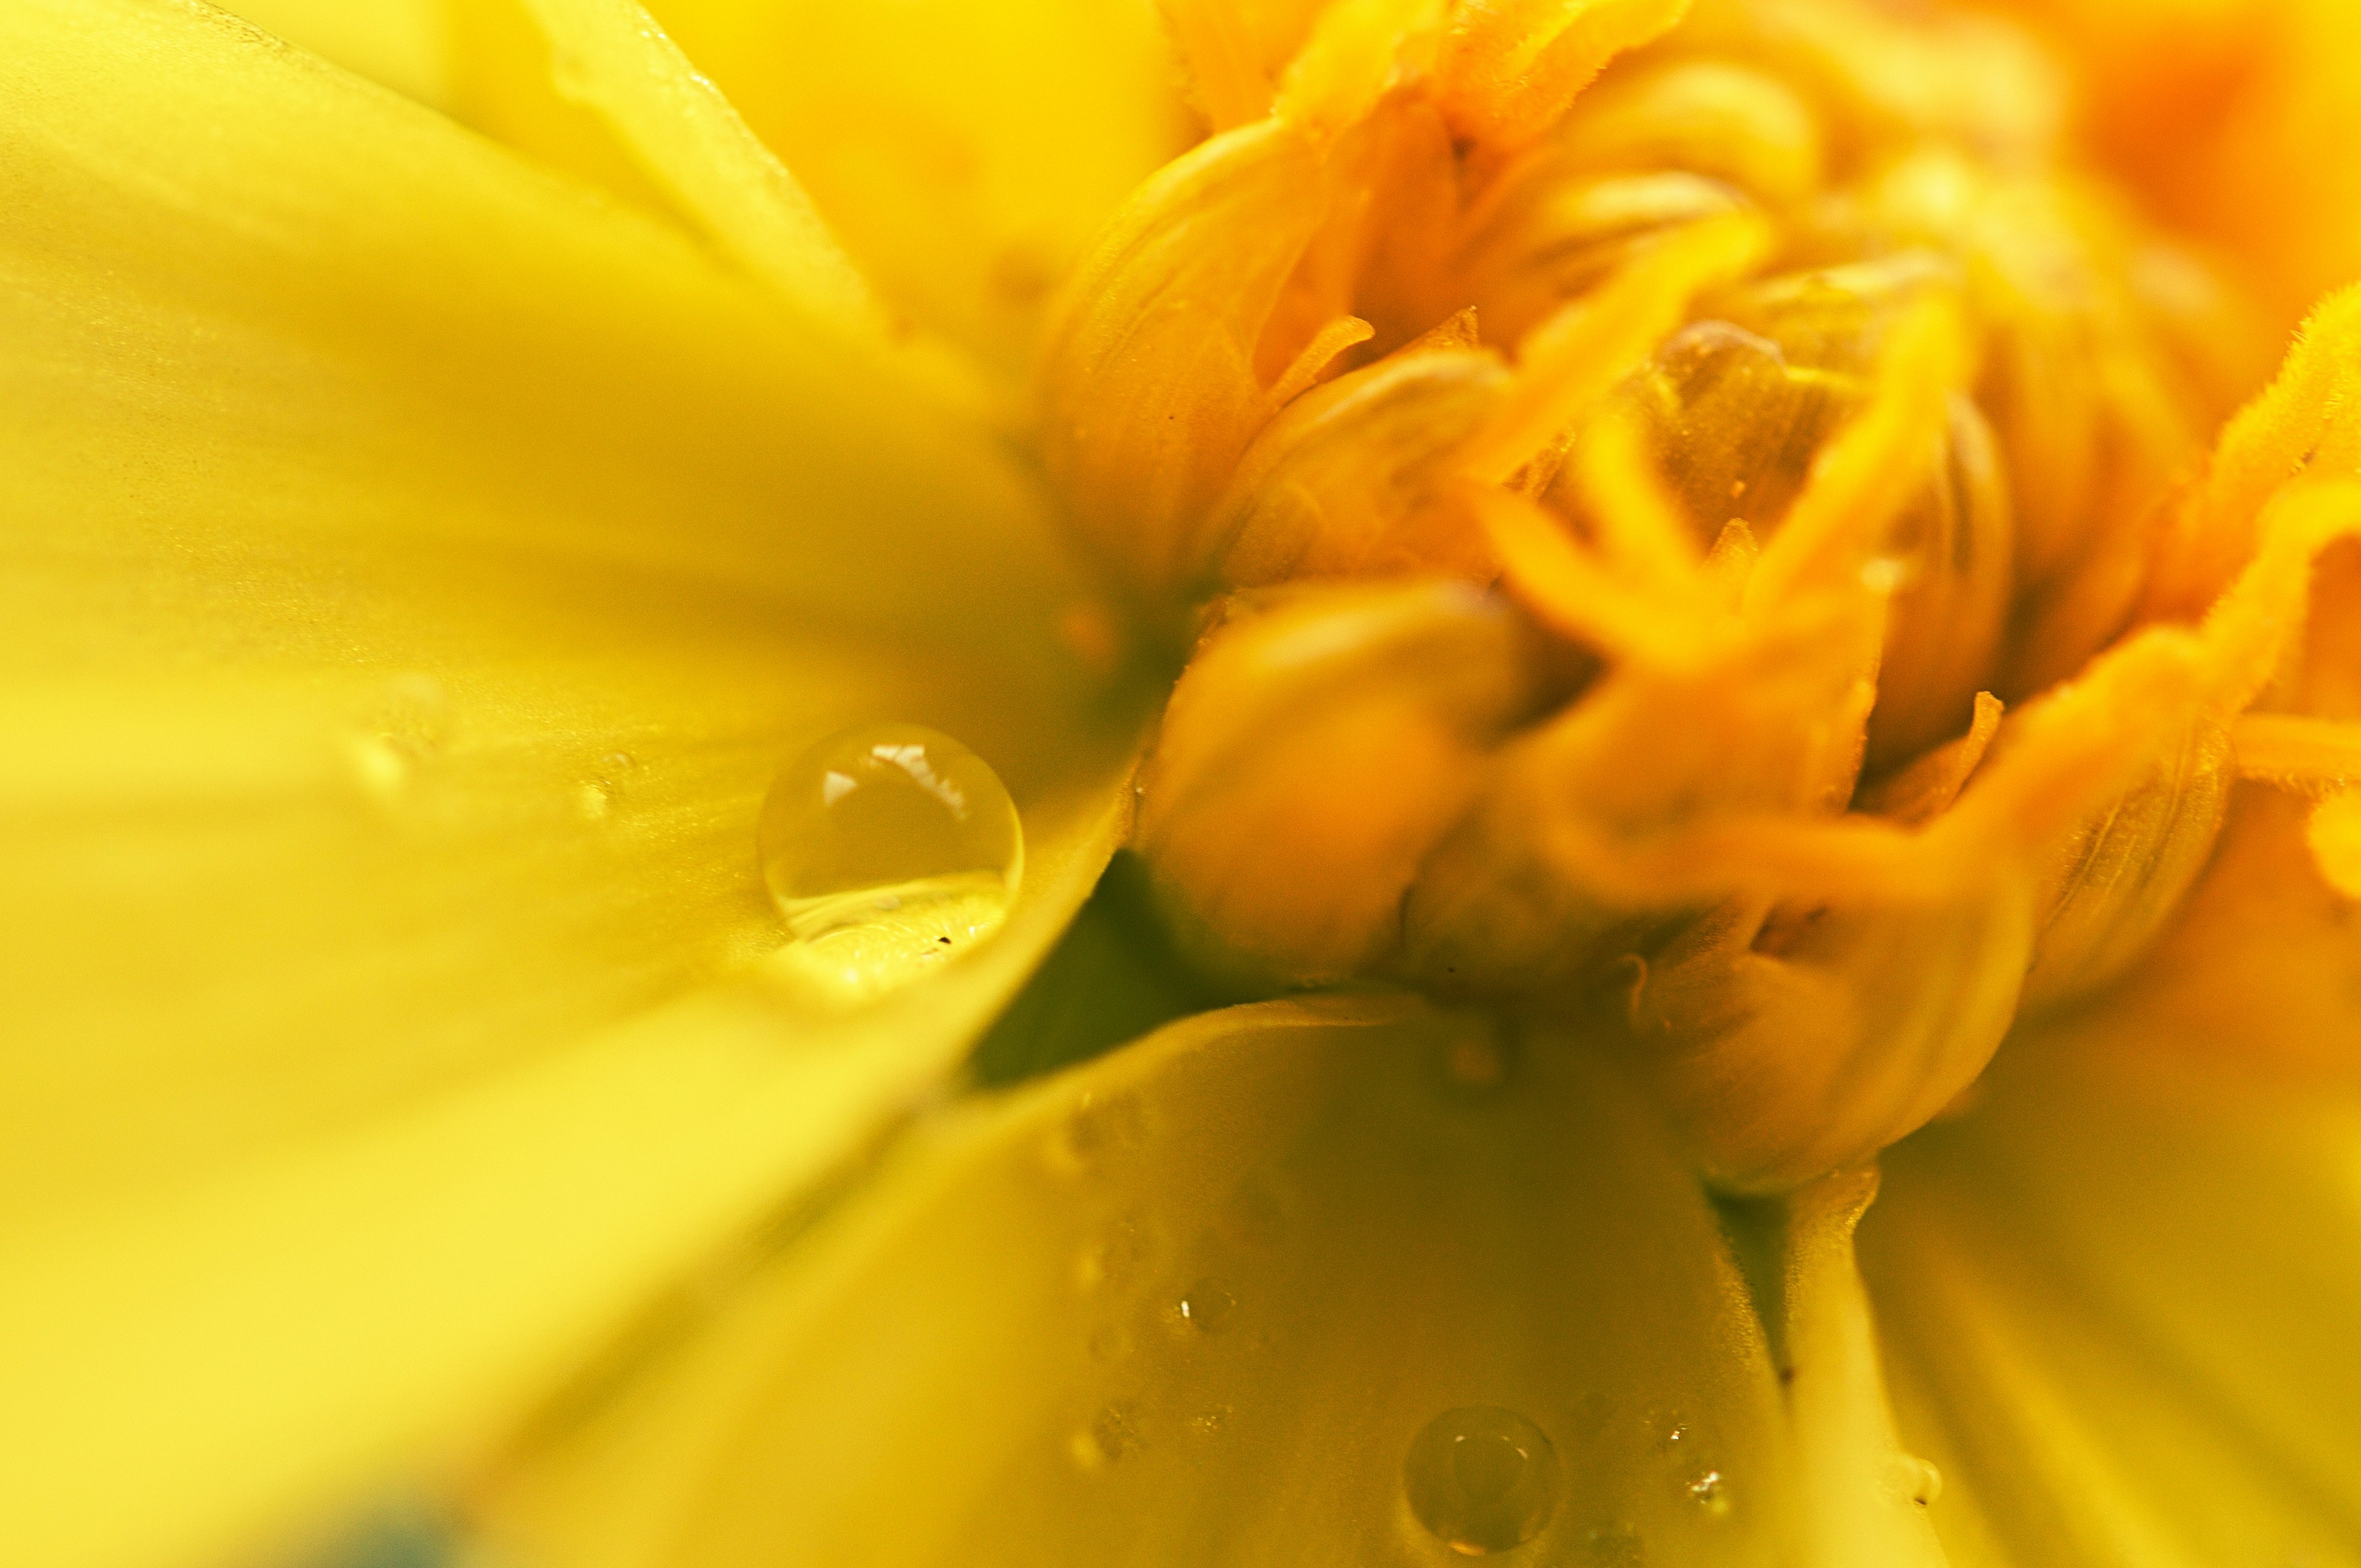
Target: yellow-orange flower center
<point x="1714" y="552"/>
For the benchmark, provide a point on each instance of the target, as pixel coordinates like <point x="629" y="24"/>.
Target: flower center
<point x="1685" y="509"/>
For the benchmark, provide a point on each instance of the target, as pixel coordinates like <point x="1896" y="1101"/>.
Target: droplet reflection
<point x="1482" y="1479"/>
<point x="1207" y="1306"/>
<point x="888" y="850"/>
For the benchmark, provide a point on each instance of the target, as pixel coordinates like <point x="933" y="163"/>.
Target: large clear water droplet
<point x="889" y="849"/>
<point x="1482" y="1479"/>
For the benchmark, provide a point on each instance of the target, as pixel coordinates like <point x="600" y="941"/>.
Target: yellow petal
<point x="401" y="44"/>
<point x="1192" y="1304"/>
<point x="964" y="154"/>
<point x="2262" y="963"/>
<point x="612" y="58"/>
<point x="2120" y="1307"/>
<point x="375" y="494"/>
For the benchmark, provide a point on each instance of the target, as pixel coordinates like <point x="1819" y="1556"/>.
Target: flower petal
<point x="377" y="494"/>
<point x="401" y="44"/>
<point x="419" y="566"/>
<point x="965" y="154"/>
<point x="2121" y="1303"/>
<point x="687" y="139"/>
<point x="1190" y="1303"/>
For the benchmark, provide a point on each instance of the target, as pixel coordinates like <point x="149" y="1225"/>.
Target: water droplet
<point x="1207" y="1306"/>
<point x="1472" y="1059"/>
<point x="1117" y="1259"/>
<point x="1482" y="1479"/>
<point x="1920" y="1481"/>
<point x="405" y="729"/>
<point x="889" y="849"/>
<point x="1113" y="1432"/>
<point x="1711" y="1492"/>
<point x="602" y="795"/>
<point x="1101" y="1127"/>
<point x="596" y="799"/>
<point x="1258" y="1216"/>
<point x="1211" y="1423"/>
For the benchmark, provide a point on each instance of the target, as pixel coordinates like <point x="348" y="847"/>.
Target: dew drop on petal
<point x="1207" y="1306"/>
<point x="1711" y="1493"/>
<point x="1921" y="1482"/>
<point x="1482" y="1479"/>
<point x="1113" y="1433"/>
<point x="889" y="849"/>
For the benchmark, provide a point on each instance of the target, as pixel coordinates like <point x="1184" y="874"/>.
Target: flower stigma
<point x="1701" y="536"/>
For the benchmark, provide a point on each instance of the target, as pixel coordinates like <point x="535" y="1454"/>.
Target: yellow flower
<point x="1715" y="609"/>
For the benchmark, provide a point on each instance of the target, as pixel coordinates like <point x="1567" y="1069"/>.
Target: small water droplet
<point x="1207" y="1306"/>
<point x="1103" y="1126"/>
<point x="1257" y="1217"/>
<point x="888" y="850"/>
<point x="571" y="74"/>
<point x="404" y="730"/>
<point x="1920" y="1481"/>
<point x="1482" y="1479"/>
<point x="1711" y="1493"/>
<point x="1884" y="575"/>
<point x="594" y="800"/>
<point x="1475" y="1058"/>
<point x="1211" y="1423"/>
<point x="1117" y="1259"/>
<point x="1113" y="1432"/>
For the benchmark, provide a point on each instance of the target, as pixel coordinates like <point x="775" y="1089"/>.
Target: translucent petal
<point x="609" y="56"/>
<point x="1189" y="1304"/>
<point x="424" y="570"/>
<point x="2120" y="1304"/>
<point x="402" y="44"/>
<point x="964" y="154"/>
<point x="420" y="565"/>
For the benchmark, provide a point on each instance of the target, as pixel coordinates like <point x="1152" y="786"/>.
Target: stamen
<point x="2297" y="753"/>
<point x="1318" y="354"/>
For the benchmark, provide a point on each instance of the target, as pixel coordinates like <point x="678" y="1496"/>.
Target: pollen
<point x="1705" y="529"/>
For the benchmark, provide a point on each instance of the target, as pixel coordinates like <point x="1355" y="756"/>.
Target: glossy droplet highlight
<point x="1711" y="1493"/>
<point x="1482" y="1479"/>
<point x="1207" y="1306"/>
<point x="889" y="849"/>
